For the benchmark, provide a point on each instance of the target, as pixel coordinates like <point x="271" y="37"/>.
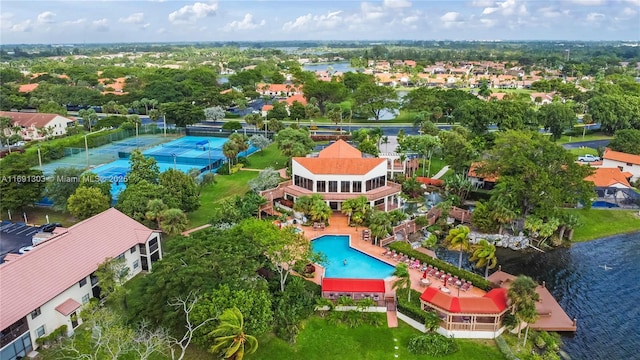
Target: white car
<point x="26" y="249"/>
<point x="588" y="158"/>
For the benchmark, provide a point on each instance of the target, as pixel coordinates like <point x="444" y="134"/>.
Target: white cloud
<point x="75" y="22"/>
<point x="137" y="18"/>
<point x="100" y="25"/>
<point x="488" y="23"/>
<point x="246" y="23"/>
<point x="25" y="26"/>
<point x="315" y="22"/>
<point x="371" y="12"/>
<point x="507" y="8"/>
<point x="191" y="13"/>
<point x="482" y="3"/>
<point x="451" y="19"/>
<point x="634" y="2"/>
<point x="595" y="17"/>
<point x="395" y="4"/>
<point x="410" y="19"/>
<point x="549" y="12"/>
<point x="46" y="17"/>
<point x="588" y="2"/>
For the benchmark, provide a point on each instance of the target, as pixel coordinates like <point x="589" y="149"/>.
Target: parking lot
<point x="14" y="236"/>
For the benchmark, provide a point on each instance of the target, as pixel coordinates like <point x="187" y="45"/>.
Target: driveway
<point x="13" y="236"/>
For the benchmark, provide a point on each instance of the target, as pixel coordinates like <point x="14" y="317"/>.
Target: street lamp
<point x="209" y="149"/>
<point x="174" y="160"/>
<point x="86" y="144"/>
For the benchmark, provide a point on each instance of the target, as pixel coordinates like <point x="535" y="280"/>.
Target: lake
<point x="604" y="301"/>
<point x="343" y="66"/>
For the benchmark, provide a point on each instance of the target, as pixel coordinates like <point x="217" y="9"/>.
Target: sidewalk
<point x="441" y="172"/>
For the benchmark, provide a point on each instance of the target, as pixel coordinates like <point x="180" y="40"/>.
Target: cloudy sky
<point x="103" y="21"/>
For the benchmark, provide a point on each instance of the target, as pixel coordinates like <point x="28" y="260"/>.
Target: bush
<point x="55" y="336"/>
<point x="232" y="125"/>
<point x="432" y="344"/>
<point x="223" y="169"/>
<point x="505" y="349"/>
<point x="411" y="309"/>
<point x="477" y="280"/>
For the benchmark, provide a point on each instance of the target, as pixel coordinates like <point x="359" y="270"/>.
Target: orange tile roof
<point x="493" y="302"/>
<point x="472" y="173"/>
<point x="24" y="119"/>
<point x="267" y="107"/>
<point x="604" y="177"/>
<point x="25" y="88"/>
<point x="341" y="167"/>
<point x="299" y="98"/>
<point x="277" y="88"/>
<point x="620" y="156"/>
<point x="53" y="266"/>
<point x="340" y="150"/>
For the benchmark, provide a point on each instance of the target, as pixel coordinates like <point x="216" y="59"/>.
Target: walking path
<point x="392" y="319"/>
<point x="187" y="232"/>
<point x="441" y="172"/>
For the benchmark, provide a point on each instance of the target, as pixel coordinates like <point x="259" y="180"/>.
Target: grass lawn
<point x="598" y="223"/>
<point x="225" y="186"/>
<point x="271" y="156"/>
<point x="320" y="340"/>
<point x="588" y="137"/>
<point x="38" y="216"/>
<point x="583" y="151"/>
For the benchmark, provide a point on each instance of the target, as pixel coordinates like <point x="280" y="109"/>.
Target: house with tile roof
<point x="279" y="90"/>
<point x="32" y="124"/>
<point x="625" y="162"/>
<point x="481" y="181"/>
<point x="611" y="183"/>
<point x="47" y="287"/>
<point x="339" y="172"/>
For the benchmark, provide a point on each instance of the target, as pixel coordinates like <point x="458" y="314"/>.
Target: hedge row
<point x="505" y="349"/>
<point x="477" y="280"/>
<point x="411" y="309"/>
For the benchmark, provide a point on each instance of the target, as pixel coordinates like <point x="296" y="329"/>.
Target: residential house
<point x="625" y="162"/>
<point x="47" y="287"/>
<point x="35" y="125"/>
<point x="542" y="98"/>
<point x="337" y="173"/>
<point x="611" y="183"/>
<point x="482" y="181"/>
<point x="27" y="88"/>
<point x="278" y="90"/>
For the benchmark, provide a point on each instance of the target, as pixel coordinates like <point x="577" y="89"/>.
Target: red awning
<point x="68" y="306"/>
<point x="353" y="285"/>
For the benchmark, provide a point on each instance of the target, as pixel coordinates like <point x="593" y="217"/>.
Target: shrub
<point x="55" y="336"/>
<point x="505" y="349"/>
<point x="223" y="169"/>
<point x="411" y="309"/>
<point x="432" y="344"/>
<point x="232" y="125"/>
<point x="477" y="280"/>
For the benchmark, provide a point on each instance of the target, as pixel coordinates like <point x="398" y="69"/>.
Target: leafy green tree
<point x="259" y="141"/>
<point x="142" y="168"/>
<point x="358" y="206"/>
<point x="215" y="113"/>
<point x="476" y="115"/>
<point x="324" y="92"/>
<point x="403" y="280"/>
<point x="294" y="142"/>
<point x="134" y="198"/>
<point x="458" y="237"/>
<point x="230" y="151"/>
<point x="180" y="190"/>
<point x="380" y="225"/>
<point x="232" y="125"/>
<point x="52" y="107"/>
<point x="484" y="254"/>
<point x="20" y="185"/>
<point x="173" y="221"/>
<point x="458" y="185"/>
<point x="615" y="111"/>
<point x="92" y="180"/>
<point x="484" y="90"/>
<point x="627" y="141"/>
<point x="112" y="274"/>
<point x="182" y="113"/>
<point x="297" y="111"/>
<point x="412" y="188"/>
<point x="155" y="208"/>
<point x="353" y="80"/>
<point x="556" y="118"/>
<point x="279" y="111"/>
<point x="523" y="297"/>
<point x="255" y="119"/>
<point x="89" y="117"/>
<point x="86" y="202"/>
<point x="62" y="185"/>
<point x="267" y="179"/>
<point x="231" y="340"/>
<point x="457" y="150"/>
<point x="372" y="99"/>
<point x="237" y="208"/>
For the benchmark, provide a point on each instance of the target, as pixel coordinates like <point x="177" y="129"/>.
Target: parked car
<point x="49" y="227"/>
<point x="588" y="158"/>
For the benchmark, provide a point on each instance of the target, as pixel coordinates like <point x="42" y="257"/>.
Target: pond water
<point x="343" y="66"/>
<point x="604" y="299"/>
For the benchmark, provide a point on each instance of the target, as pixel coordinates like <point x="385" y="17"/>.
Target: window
<point x="40" y="331"/>
<point x="133" y="249"/>
<point x="119" y="257"/>
<point x="94" y="279"/>
<point x="83" y="282"/>
<point x="321" y="186"/>
<point x="333" y="186"/>
<point x="375" y="183"/>
<point x="85" y="299"/>
<point x="357" y="187"/>
<point x="345" y="186"/>
<point x="303" y="182"/>
<point x="35" y="313"/>
<point x="136" y="264"/>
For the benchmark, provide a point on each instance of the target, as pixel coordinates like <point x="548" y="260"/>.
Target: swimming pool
<point x="603" y="204"/>
<point x="359" y="265"/>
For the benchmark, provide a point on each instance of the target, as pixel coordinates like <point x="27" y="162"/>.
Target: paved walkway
<point x="187" y="232"/>
<point x="441" y="172"/>
<point x="392" y="319"/>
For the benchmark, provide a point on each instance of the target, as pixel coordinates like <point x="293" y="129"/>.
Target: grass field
<point x="271" y="156"/>
<point x="320" y="340"/>
<point x="564" y="139"/>
<point x="225" y="186"/>
<point x="38" y="216"/>
<point x="583" y="151"/>
<point x="599" y="223"/>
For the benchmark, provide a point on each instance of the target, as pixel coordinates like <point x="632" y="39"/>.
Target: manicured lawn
<point x="320" y="340"/>
<point x="588" y="137"/>
<point x="271" y="156"/>
<point x="584" y="151"/>
<point x="436" y="165"/>
<point x="38" y="216"/>
<point x="598" y="223"/>
<point x="225" y="186"/>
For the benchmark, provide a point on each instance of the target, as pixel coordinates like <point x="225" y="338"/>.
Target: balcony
<point x="390" y="189"/>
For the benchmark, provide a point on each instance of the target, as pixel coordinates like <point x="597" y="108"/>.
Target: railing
<point x="13" y="332"/>
<point x="471" y="326"/>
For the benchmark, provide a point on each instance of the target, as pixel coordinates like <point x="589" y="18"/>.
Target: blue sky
<point x="103" y="21"/>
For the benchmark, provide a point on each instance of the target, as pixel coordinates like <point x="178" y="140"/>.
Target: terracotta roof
<point x="604" y="177"/>
<point x="620" y="156"/>
<point x="429" y="181"/>
<point x="353" y="285"/>
<point x="299" y="98"/>
<point x="27" y="87"/>
<point x="68" y="306"/>
<point x="278" y="88"/>
<point x="340" y="150"/>
<point x="59" y="263"/>
<point x="472" y="173"/>
<point x="493" y="302"/>
<point x="348" y="166"/>
<point x="267" y="107"/>
<point x="39" y="120"/>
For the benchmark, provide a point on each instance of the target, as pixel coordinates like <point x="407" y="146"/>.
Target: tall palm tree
<point x="502" y="215"/>
<point x="320" y="211"/>
<point x="380" y="225"/>
<point x="231" y="340"/>
<point x="485" y="255"/>
<point x="155" y="208"/>
<point x="347" y="208"/>
<point x="404" y="279"/>
<point x="523" y="297"/>
<point x="230" y="150"/>
<point x="173" y="221"/>
<point x="458" y="237"/>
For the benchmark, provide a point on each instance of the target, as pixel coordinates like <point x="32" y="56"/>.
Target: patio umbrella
<point x="424" y="274"/>
<point x="445" y="282"/>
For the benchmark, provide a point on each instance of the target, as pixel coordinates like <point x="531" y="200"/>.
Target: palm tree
<point x="459" y="238"/>
<point x="380" y="225"/>
<point x="523" y="297"/>
<point x="348" y="208"/>
<point x="502" y="214"/>
<point x="173" y="221"/>
<point x="404" y="279"/>
<point x="231" y="341"/>
<point x="319" y="211"/>
<point x="485" y="255"/>
<point x="155" y="208"/>
<point x="230" y="150"/>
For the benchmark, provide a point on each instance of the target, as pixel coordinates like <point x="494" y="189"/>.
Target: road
<point x="590" y="144"/>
